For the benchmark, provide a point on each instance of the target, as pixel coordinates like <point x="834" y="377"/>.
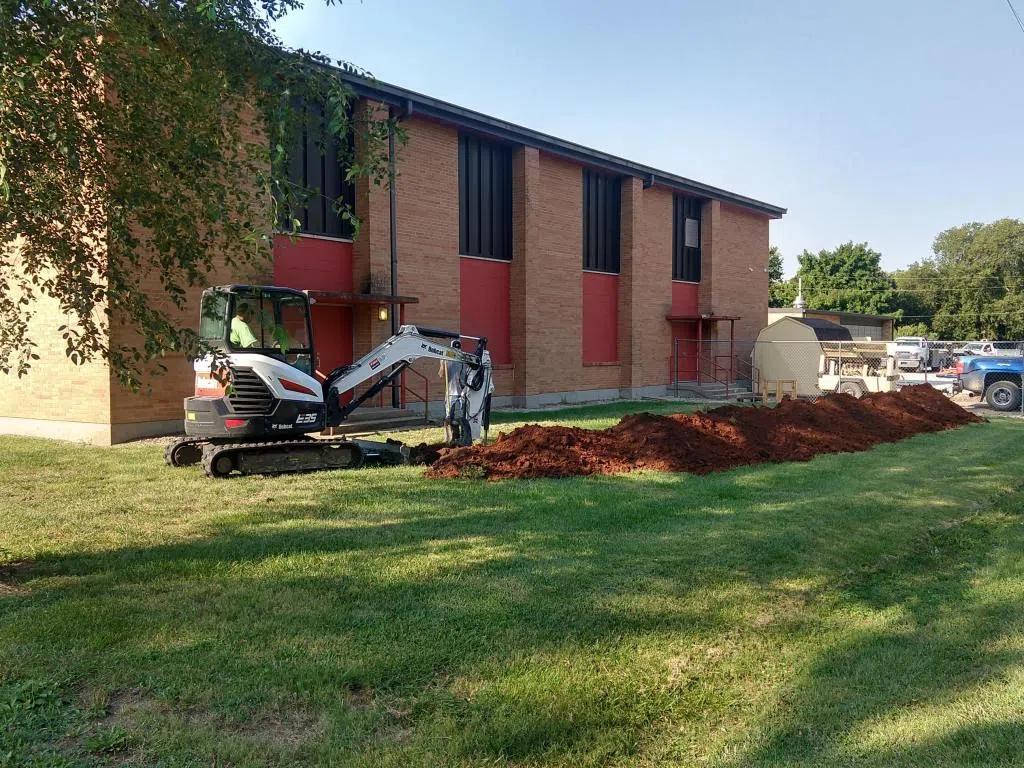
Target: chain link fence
<point x="809" y="368"/>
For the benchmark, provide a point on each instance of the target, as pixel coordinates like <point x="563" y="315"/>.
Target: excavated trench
<point x="723" y="438"/>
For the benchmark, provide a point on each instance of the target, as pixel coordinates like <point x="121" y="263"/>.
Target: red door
<point x="332" y="335"/>
<point x="684" y="351"/>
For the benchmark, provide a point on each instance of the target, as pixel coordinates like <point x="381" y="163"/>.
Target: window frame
<point x="260" y="297"/>
<point x="214" y="307"/>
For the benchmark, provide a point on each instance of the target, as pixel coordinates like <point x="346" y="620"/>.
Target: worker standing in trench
<point x="451" y="372"/>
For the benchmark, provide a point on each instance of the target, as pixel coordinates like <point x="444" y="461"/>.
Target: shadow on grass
<point x="537" y="621"/>
<point x="899" y="692"/>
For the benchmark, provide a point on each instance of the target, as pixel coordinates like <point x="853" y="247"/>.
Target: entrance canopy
<point x="701" y="319"/>
<point x="696" y="318"/>
<point x="351" y="299"/>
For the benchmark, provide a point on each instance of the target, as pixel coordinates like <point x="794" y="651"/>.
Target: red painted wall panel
<point x="684" y="298"/>
<point x="600" y="318"/>
<point x="332" y="335"/>
<point x="484" y="306"/>
<point x="312" y="264"/>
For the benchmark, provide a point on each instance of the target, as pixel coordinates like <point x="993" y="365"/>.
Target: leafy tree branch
<point x="143" y="145"/>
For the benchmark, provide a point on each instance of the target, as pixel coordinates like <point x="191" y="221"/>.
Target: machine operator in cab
<point x="241" y="334"/>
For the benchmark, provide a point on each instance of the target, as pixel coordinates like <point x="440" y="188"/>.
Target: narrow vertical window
<point x="686" y="215"/>
<point x="485" y="198"/>
<point x="315" y="162"/>
<point x="602" y="202"/>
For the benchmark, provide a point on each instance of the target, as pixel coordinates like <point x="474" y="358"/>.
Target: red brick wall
<point x="556" y="303"/>
<point x="371" y="250"/>
<point x="740" y="265"/>
<point x="525" y="269"/>
<point x="55" y="388"/>
<point x="651" y="285"/>
<point x="428" y="228"/>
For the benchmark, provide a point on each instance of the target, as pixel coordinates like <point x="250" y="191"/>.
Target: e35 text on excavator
<point x="259" y="402"/>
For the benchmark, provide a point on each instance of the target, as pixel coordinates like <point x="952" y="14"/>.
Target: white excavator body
<point x="258" y="400"/>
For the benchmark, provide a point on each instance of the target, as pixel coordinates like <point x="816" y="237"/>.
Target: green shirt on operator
<point x="241" y="334"/>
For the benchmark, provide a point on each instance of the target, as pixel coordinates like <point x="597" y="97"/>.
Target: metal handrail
<point x="699" y="357"/>
<point x="710" y="366"/>
<point x="715" y="368"/>
<point x="755" y="374"/>
<point x="425" y="397"/>
<point x="406" y="391"/>
<point x="731" y="367"/>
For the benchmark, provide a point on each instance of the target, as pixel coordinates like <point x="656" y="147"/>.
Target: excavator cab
<point x="268" y="387"/>
<point x="255" y="319"/>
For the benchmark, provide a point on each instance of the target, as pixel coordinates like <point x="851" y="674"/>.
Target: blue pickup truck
<point x="997" y="379"/>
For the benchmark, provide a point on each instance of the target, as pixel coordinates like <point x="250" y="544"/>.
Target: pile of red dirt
<point x="726" y="437"/>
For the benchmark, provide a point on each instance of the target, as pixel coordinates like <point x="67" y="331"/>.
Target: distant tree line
<point x="972" y="286"/>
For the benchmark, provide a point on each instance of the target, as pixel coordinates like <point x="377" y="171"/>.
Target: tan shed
<point x="790" y="349"/>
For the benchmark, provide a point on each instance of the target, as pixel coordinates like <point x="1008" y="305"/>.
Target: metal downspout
<point x="396" y="399"/>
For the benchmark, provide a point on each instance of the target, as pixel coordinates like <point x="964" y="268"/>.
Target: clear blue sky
<point x="871" y="120"/>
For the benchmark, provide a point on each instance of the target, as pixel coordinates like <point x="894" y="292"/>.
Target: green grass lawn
<point x="861" y="609"/>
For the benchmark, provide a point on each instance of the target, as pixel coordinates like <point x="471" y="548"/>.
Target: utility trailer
<point x="856" y="368"/>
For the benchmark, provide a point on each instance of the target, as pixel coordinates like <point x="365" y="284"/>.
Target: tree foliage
<point x="848" y="278"/>
<point x="973" y="285"/>
<point x="971" y="288"/>
<point x="781" y="292"/>
<point x="913" y="329"/>
<point x="979" y="292"/>
<point x="775" y="272"/>
<point x="914" y="298"/>
<point x="142" y="144"/>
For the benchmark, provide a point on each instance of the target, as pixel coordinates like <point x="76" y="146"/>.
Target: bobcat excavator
<point x="256" y="405"/>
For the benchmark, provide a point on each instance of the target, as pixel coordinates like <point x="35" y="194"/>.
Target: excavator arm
<point x="391" y="358"/>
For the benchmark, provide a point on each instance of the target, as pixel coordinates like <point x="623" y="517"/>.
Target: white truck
<point x="916" y="353"/>
<point x="985" y="348"/>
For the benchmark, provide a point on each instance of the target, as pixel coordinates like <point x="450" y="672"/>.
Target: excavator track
<point x="184" y="451"/>
<point x="298" y="455"/>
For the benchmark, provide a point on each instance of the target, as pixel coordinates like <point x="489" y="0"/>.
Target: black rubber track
<point x="211" y="454"/>
<point x="184" y="452"/>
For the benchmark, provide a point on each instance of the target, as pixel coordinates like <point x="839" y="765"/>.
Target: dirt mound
<point x="726" y="437"/>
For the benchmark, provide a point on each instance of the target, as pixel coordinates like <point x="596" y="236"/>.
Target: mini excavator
<point x="258" y="403"/>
